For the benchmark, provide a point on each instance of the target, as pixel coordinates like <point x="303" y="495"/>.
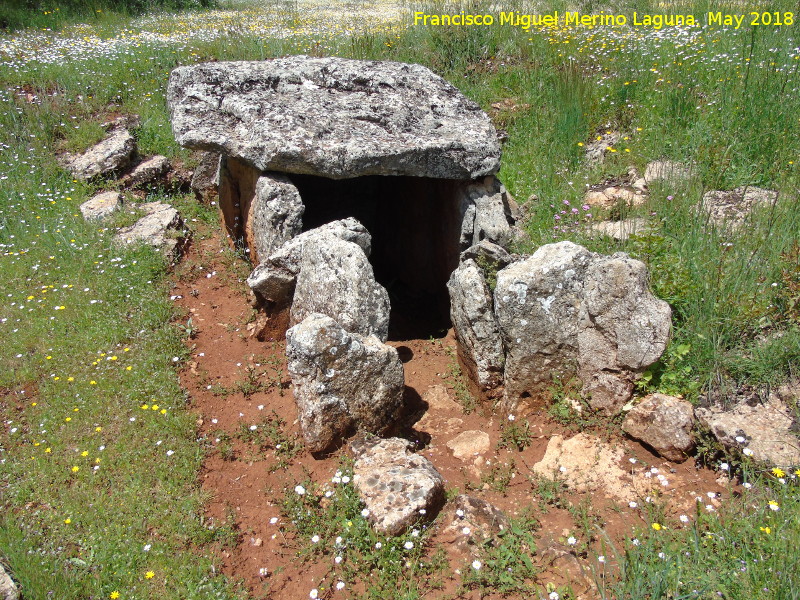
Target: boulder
<point x="149" y="171"/>
<point x="162" y="227"/>
<point x="101" y="206"/>
<point x="730" y="209"/>
<point x="480" y="346"/>
<point x="398" y="487"/>
<point x="767" y="428"/>
<point x="274" y="279"/>
<point x="336" y="279"/>
<point x="8" y="589"/>
<point x="332" y="117"/>
<point x="341" y="381"/>
<point x="110" y="155"/>
<point x="205" y="178"/>
<point x="664" y="423"/>
<point x="566" y="312"/>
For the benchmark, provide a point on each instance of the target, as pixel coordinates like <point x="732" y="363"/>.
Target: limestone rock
<point x="730" y="209"/>
<point x="469" y="444"/>
<point x="663" y="423"/>
<point x="666" y="170"/>
<point x="205" y="178"/>
<point x="475" y="522"/>
<point x="565" y="311"/>
<point x="597" y="148"/>
<point x="395" y="484"/>
<point x="480" y="347"/>
<point x="485" y="205"/>
<point x="768" y="429"/>
<point x="162" y="227"/>
<point x="336" y="279"/>
<point x="274" y="279"/>
<point x="112" y="154"/>
<point x="101" y="206"/>
<point x="274" y="216"/>
<point x="607" y="197"/>
<point x="586" y="464"/>
<point x="332" y="117"/>
<point x="8" y="589"/>
<point x="620" y="230"/>
<point x="341" y="381"/>
<point x="150" y="170"/>
<point x="623" y="329"/>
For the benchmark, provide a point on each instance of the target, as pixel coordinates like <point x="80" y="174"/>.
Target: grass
<point x="329" y="525"/>
<point x="87" y="341"/>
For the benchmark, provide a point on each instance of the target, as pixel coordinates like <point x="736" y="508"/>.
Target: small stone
<point x="101" y="206"/>
<point x="664" y="423"/>
<point x="149" y="171"/>
<point x="468" y="444"/>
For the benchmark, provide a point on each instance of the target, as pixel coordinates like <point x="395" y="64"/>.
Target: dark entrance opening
<point x="415" y="223"/>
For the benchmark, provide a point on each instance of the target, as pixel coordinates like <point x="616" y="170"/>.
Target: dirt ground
<point x="222" y="379"/>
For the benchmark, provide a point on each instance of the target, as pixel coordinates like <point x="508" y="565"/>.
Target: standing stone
<point x="101" y="206"/>
<point x="480" y="346"/>
<point x="333" y="117"/>
<point x="664" y="423"/>
<point x="484" y="204"/>
<point x="337" y="280"/>
<point x="274" y="216"/>
<point x="399" y="488"/>
<point x="341" y="381"/>
<point x="205" y="178"/>
<point x="567" y="312"/>
<point x="623" y="329"/>
<point x="274" y="279"/>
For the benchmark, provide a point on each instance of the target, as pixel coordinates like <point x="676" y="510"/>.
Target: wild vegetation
<point x="99" y="456"/>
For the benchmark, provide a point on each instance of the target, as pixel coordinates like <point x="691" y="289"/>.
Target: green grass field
<point x="99" y="495"/>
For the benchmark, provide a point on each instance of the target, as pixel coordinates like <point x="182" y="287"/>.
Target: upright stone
<point x="341" y="381"/>
<point x="337" y="280"/>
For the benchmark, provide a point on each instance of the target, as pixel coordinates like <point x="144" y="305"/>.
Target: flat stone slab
<point x="101" y="206"/>
<point x="333" y="117"/>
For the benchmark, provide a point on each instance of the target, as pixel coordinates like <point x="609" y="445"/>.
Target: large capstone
<point x="566" y="313"/>
<point x="342" y="381"/>
<point x="333" y="117"/>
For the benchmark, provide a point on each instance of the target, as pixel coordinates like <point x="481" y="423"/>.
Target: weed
<point x="504" y="565"/>
<point x="499" y="477"/>
<point x="330" y="521"/>
<point x="515" y="435"/>
<point x="457" y="380"/>
<point x="270" y="435"/>
<point x="549" y="491"/>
